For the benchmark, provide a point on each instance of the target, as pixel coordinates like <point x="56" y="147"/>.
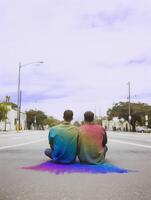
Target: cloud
<point x="43" y="96"/>
<point x="91" y="50"/>
<point x="143" y="95"/>
<point x="137" y="61"/>
<point x="105" y="19"/>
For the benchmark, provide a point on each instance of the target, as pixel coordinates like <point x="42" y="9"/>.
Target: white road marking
<point x="131" y="143"/>
<point x="21" y="134"/>
<point x="138" y="139"/>
<point x="22" y="144"/>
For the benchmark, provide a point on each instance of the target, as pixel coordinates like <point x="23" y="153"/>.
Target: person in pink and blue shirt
<point x="92" y="141"/>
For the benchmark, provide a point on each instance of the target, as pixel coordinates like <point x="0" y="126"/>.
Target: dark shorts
<point x="48" y="152"/>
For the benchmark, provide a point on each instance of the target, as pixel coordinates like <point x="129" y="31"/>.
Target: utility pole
<point x="6" y="113"/>
<point x="18" y="100"/>
<point x="129" y="105"/>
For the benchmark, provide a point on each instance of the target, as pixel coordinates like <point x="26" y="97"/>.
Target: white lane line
<point x="2" y="135"/>
<point x="22" y="144"/>
<point x="136" y="139"/>
<point x="131" y="143"/>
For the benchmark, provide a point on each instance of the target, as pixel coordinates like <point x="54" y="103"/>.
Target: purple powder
<point x="77" y="168"/>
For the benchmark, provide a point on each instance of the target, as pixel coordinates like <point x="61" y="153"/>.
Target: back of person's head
<point x="88" y="116"/>
<point x="68" y="115"/>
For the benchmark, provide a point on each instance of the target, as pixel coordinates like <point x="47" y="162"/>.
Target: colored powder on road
<point x="77" y="168"/>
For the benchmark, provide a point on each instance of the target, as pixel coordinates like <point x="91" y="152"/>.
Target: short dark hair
<point x="88" y="116"/>
<point x="68" y="115"/>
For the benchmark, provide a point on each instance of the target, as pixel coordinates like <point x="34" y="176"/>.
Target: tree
<point x="76" y="123"/>
<point x="13" y="105"/>
<point x="35" y="117"/>
<point x="7" y="102"/>
<point x="3" y="111"/>
<point x="98" y="121"/>
<point x="51" y="121"/>
<point x="7" y="99"/>
<point x="138" y="112"/>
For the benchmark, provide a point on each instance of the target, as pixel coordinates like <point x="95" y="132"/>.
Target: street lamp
<point x="19" y="92"/>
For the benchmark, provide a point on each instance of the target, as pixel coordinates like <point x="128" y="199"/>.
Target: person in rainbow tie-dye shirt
<point x="92" y="141"/>
<point x="63" y="141"/>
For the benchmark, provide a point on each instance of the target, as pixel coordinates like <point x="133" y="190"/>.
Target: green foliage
<point x="13" y="105"/>
<point x="4" y="107"/>
<point x="51" y="121"/>
<point x="38" y="119"/>
<point x="98" y="121"/>
<point x="138" y="112"/>
<point x="7" y="99"/>
<point x="3" y="111"/>
<point x="35" y="117"/>
<point x="76" y="123"/>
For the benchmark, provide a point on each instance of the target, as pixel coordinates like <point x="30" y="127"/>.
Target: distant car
<point x="143" y="129"/>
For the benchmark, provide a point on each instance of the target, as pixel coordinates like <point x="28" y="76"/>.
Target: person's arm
<point x="51" y="143"/>
<point x="50" y="138"/>
<point x="78" y="143"/>
<point x="104" y="139"/>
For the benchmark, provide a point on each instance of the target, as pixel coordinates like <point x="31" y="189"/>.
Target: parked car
<point x="143" y="129"/>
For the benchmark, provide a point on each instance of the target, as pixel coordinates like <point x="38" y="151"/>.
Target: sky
<point x="91" y="49"/>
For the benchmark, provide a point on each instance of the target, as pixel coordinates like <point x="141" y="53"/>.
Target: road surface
<point x="126" y="150"/>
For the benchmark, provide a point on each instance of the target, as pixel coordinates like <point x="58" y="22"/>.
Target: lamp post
<point x="19" y="91"/>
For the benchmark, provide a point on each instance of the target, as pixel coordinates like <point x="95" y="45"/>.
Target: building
<point x="115" y="124"/>
<point x="10" y="122"/>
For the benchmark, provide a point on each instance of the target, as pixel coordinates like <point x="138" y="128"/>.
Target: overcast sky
<point x="91" y="49"/>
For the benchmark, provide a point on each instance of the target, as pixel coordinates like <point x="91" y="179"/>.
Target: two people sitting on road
<point x="88" y="142"/>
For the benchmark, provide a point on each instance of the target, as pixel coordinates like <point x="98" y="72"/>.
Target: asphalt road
<point x="126" y="150"/>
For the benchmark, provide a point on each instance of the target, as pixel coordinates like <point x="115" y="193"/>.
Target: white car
<point x="143" y="129"/>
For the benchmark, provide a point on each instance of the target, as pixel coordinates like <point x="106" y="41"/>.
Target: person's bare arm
<point x="51" y="143"/>
<point x="104" y="139"/>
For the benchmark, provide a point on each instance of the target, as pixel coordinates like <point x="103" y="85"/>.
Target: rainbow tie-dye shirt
<point x="90" y="148"/>
<point x="64" y="137"/>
